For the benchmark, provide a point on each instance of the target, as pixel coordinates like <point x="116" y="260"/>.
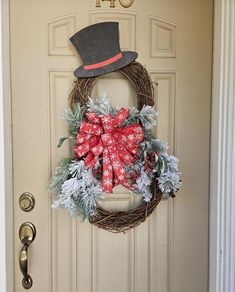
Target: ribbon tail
<point x="125" y="156"/>
<point x="119" y="171"/>
<point x="107" y="177"/>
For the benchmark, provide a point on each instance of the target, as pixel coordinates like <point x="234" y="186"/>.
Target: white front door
<point x="167" y="253"/>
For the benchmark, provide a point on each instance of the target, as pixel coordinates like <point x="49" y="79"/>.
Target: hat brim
<point x="127" y="58"/>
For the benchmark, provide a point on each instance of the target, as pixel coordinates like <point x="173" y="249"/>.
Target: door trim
<point x="2" y="182"/>
<point x="6" y="194"/>
<point x="222" y="205"/>
<point x="222" y="200"/>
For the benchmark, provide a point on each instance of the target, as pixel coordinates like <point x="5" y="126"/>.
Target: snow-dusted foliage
<point x="169" y="179"/>
<point x="169" y="182"/>
<point x="79" y="193"/>
<point x="143" y="184"/>
<point x="60" y="175"/>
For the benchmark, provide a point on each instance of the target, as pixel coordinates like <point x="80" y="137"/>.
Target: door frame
<point x="222" y="170"/>
<point x="6" y="179"/>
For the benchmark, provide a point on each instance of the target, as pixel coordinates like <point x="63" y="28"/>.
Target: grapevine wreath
<point x="77" y="180"/>
<point x="112" y="146"/>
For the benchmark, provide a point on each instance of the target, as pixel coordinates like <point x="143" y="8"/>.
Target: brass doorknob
<point x="27" y="233"/>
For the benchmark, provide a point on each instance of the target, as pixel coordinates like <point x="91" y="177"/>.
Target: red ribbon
<point x="103" y="135"/>
<point x="103" y="63"/>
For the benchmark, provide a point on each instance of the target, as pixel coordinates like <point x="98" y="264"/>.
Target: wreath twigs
<point x="81" y="91"/>
<point x="121" y="221"/>
<point x="139" y="76"/>
<point x="135" y="72"/>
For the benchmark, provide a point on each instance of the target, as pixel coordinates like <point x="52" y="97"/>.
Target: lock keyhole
<point x="26" y="202"/>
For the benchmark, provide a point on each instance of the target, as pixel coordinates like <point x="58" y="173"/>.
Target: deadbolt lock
<point x="27" y="202"/>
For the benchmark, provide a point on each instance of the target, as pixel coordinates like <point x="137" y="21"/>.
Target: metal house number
<point x="124" y="3"/>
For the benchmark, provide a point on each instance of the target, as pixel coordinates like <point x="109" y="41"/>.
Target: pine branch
<point x="101" y="106"/>
<point x="143" y="184"/>
<point x="60" y="175"/>
<point x="79" y="193"/>
<point x="73" y="118"/>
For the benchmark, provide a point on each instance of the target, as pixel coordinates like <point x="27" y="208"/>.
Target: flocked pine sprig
<point x="60" y="176"/>
<point x="169" y="183"/>
<point x="158" y="145"/>
<point x="80" y="192"/>
<point x="171" y="162"/>
<point x="101" y="106"/>
<point x="146" y="116"/>
<point x="143" y="184"/>
<point x="73" y="118"/>
<point x="169" y="179"/>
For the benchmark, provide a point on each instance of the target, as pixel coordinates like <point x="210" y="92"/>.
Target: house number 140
<point x="124" y="3"/>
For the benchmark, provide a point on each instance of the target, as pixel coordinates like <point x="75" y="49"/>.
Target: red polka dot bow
<point x="104" y="136"/>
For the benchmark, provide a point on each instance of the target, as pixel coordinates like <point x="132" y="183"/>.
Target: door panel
<point x="167" y="253"/>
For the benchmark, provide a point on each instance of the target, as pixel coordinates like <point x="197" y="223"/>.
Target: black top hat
<point x="99" y="47"/>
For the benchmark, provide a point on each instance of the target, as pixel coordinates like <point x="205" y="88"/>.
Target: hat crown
<point x="98" y="42"/>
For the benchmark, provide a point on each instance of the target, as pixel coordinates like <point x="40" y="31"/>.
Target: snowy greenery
<point x="61" y="174"/>
<point x="143" y="184"/>
<point x="164" y="171"/>
<point x="158" y="145"/>
<point x="101" y="106"/>
<point x="75" y="186"/>
<point x="169" y="179"/>
<point x="146" y="116"/>
<point x="169" y="183"/>
<point x="78" y="194"/>
<point x="73" y="118"/>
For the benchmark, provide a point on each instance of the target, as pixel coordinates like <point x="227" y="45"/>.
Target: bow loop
<point x="120" y="117"/>
<point x="107" y="123"/>
<point x="93" y="118"/>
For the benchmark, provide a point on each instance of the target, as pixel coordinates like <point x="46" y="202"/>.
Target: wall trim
<point x="222" y="197"/>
